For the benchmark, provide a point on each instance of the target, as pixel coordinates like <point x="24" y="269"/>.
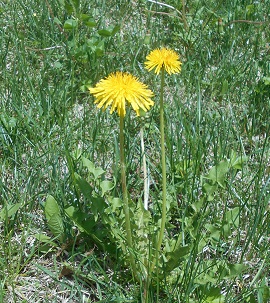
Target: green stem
<point x="125" y="199"/>
<point x="163" y="163"/>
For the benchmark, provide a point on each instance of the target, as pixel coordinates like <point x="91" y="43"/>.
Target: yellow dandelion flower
<point x="163" y="57"/>
<point x="118" y="88"/>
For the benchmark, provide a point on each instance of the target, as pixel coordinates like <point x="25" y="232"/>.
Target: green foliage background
<point x="217" y="139"/>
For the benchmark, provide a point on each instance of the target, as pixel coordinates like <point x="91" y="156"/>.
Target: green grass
<point x="217" y="108"/>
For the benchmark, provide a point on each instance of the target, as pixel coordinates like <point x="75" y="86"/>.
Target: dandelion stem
<point x="163" y="163"/>
<point x="125" y="199"/>
<point x="145" y="173"/>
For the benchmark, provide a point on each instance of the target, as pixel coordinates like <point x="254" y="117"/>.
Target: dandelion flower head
<point x="119" y="88"/>
<point x="163" y="57"/>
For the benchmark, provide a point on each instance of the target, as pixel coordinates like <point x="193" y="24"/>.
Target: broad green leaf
<point x="42" y="238"/>
<point x="232" y="216"/>
<point x="84" y="186"/>
<point x="214" y="231"/>
<point x="51" y="207"/>
<point x="264" y="290"/>
<point x="99" y="49"/>
<point x="71" y="6"/>
<point x="90" y="23"/>
<point x="218" y="173"/>
<point x="105" y="32"/>
<point x="91" y="168"/>
<point x="202" y="243"/>
<point x="227" y="230"/>
<point x="266" y="80"/>
<point x="116" y="29"/>
<point x="115" y="203"/>
<point x="198" y="204"/>
<point x="98" y="206"/>
<point x="84" y="224"/>
<point x="53" y="216"/>
<point x="109" y="31"/>
<point x="237" y="162"/>
<point x="70" y="24"/>
<point x="47" y="245"/>
<point x="219" y="299"/>
<point x="56" y="226"/>
<point x="213" y="292"/>
<point x="79" y="219"/>
<point x="88" y="164"/>
<point x="235" y="269"/>
<point x="176" y="257"/>
<point x="229" y="271"/>
<point x="9" y="210"/>
<point x="88" y="20"/>
<point x="106" y="186"/>
<point x="252" y="299"/>
<point x="209" y="190"/>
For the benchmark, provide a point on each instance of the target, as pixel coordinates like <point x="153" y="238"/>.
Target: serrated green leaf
<point x="176" y="257"/>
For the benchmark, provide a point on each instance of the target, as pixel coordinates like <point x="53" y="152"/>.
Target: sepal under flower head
<point x="163" y="57"/>
<point x="118" y="88"/>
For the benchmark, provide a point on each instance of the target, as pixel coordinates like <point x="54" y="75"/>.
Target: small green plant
<point x="121" y="223"/>
<point x="59" y="154"/>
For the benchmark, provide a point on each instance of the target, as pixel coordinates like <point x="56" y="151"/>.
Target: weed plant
<point x="61" y="225"/>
